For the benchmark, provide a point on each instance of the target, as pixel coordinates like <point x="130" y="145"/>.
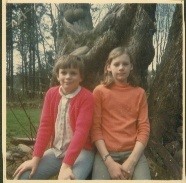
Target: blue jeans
<point x="49" y="166"/>
<point x="100" y="171"/>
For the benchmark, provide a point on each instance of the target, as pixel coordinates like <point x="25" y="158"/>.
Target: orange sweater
<point x="120" y="117"/>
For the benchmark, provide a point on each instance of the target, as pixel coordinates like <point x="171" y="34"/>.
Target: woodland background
<point x="37" y="34"/>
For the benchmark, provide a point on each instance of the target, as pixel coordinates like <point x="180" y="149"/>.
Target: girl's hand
<point x="66" y="173"/>
<point x="27" y="165"/>
<point x="128" y="168"/>
<point x="115" y="169"/>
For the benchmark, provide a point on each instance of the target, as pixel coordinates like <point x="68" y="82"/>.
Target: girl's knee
<point x="142" y="171"/>
<point x="25" y="175"/>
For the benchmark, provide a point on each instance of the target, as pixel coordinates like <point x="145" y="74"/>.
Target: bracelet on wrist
<point x="105" y="157"/>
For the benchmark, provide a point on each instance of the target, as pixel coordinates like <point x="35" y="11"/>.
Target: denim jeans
<point x="100" y="171"/>
<point x="49" y="166"/>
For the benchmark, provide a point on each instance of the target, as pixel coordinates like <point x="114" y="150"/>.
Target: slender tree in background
<point x="53" y="26"/>
<point x="39" y="61"/>
<point x="10" y="49"/>
<point x="28" y="38"/>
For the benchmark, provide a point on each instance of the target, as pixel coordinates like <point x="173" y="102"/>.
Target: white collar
<point x="70" y="95"/>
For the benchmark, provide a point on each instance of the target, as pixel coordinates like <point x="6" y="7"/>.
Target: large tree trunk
<point x="131" y="25"/>
<point x="165" y="99"/>
<point x="124" y="24"/>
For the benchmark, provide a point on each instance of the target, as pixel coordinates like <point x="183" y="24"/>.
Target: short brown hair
<point x="69" y="61"/>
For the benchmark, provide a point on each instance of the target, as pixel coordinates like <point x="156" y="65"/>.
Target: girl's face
<point x="120" y="68"/>
<point x="69" y="79"/>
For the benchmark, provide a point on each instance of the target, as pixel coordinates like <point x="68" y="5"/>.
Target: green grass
<point x="14" y="129"/>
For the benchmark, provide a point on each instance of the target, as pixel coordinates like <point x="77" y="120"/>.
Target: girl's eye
<point x="123" y="64"/>
<point x="116" y="64"/>
<point x="73" y="73"/>
<point x="63" y="72"/>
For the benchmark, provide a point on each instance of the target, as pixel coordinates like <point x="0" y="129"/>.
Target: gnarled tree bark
<point x="124" y="25"/>
<point x="165" y="99"/>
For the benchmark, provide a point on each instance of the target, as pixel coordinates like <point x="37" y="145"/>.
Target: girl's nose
<point x="68" y="75"/>
<point x="121" y="67"/>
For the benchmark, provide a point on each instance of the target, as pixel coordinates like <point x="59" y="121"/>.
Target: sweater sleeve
<point x="83" y="124"/>
<point x="143" y="121"/>
<point x="45" y="128"/>
<point x="96" y="131"/>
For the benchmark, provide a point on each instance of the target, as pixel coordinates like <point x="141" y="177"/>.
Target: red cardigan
<point x="80" y="113"/>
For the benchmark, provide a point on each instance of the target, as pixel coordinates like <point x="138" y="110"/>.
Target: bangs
<point x="67" y="62"/>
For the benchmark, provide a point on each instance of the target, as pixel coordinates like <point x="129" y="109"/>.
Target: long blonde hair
<point x="108" y="79"/>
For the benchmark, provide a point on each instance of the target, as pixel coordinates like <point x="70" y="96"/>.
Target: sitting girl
<point x="66" y="120"/>
<point x="120" y="123"/>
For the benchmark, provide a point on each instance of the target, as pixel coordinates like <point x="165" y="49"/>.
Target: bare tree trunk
<point x="165" y="99"/>
<point x="34" y="51"/>
<point x="10" y="69"/>
<point x="54" y="27"/>
<point x="39" y="62"/>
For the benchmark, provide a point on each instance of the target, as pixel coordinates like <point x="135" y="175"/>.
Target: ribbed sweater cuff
<point x="94" y="139"/>
<point x="143" y="141"/>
